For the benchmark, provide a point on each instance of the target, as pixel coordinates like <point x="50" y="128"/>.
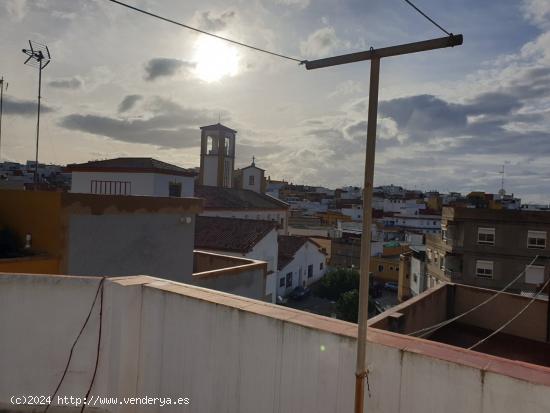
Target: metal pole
<point x="38" y="125"/>
<point x="361" y="370"/>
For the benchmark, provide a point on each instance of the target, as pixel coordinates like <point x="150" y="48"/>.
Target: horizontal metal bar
<point x="440" y="43"/>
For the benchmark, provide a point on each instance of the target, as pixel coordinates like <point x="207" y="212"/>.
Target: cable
<point x="506" y="324"/>
<point x="99" y="287"/>
<point x="431" y="329"/>
<point x="205" y="32"/>
<point x="428" y="17"/>
<point x="97" y="353"/>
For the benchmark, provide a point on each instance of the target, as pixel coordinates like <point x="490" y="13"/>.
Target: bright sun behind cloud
<point x="215" y="59"/>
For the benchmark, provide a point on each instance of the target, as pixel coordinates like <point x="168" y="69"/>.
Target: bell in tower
<point x="217" y="156"/>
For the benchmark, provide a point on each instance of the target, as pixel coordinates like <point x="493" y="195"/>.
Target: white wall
<point x="418" y="269"/>
<point x="145" y="184"/>
<point x="279" y="216"/>
<point x="265" y="250"/>
<point x="257" y="174"/>
<point x="227" y="354"/>
<point x="210" y="170"/>
<point x="157" y="244"/>
<point x="163" y="181"/>
<point x="308" y="254"/>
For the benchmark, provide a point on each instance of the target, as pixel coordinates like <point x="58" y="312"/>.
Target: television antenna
<point x="38" y="57"/>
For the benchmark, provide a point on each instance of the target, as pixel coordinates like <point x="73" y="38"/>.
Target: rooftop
<point x="232" y="198"/>
<point x="141" y="165"/>
<point x="524" y="339"/>
<point x="167" y="339"/>
<point x="230" y="234"/>
<point x="504" y="215"/>
<point x="218" y="126"/>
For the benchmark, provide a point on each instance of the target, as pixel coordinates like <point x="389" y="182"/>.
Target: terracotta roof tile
<point x="232" y="198"/>
<point x="230" y="234"/>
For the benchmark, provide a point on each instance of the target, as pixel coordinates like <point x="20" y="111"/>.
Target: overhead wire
<point x="99" y="289"/>
<point x="428" y="330"/>
<point x="226" y="39"/>
<point x="410" y="3"/>
<point x="506" y="324"/>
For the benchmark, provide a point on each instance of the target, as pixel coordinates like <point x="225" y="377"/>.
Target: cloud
<point x="209" y="22"/>
<point x="320" y="43"/>
<point x="347" y="88"/>
<point x="164" y="67"/>
<point x="16" y="8"/>
<point x="70" y="83"/>
<point x="537" y="12"/>
<point x="169" y="125"/>
<point x="128" y="103"/>
<point x="13" y="106"/>
<point x="299" y="4"/>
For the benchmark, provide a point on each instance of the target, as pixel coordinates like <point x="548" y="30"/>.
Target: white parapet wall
<point x="230" y="354"/>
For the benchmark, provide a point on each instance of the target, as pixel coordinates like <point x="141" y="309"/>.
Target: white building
<point x="398" y="205"/>
<point x="301" y="262"/>
<point x="355" y="212"/>
<point x="252" y="239"/>
<point x="243" y="204"/>
<point x="217" y="156"/>
<point x="250" y="177"/>
<point x="131" y="176"/>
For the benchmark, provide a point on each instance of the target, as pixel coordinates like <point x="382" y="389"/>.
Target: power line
<point x="98" y="348"/>
<point x="205" y="32"/>
<point x="428" y="17"/>
<point x="99" y="288"/>
<point x="506" y="324"/>
<point x="431" y="329"/>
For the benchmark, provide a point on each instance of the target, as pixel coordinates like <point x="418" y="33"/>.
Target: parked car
<point x="300" y="292"/>
<point x="392" y="286"/>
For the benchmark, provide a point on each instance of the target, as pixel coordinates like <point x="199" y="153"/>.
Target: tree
<point x="338" y="282"/>
<point x="347" y="306"/>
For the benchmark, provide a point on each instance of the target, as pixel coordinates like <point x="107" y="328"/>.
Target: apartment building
<point x="489" y="248"/>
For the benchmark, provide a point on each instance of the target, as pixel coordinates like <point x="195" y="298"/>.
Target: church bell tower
<point x="217" y="156"/>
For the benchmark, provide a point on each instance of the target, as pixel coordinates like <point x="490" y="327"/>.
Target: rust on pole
<point x="361" y="369"/>
<point x="439" y="43"/>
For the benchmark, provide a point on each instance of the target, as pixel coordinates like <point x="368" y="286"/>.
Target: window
<point x="174" y="189"/>
<point x="110" y="187"/>
<point x="484" y="269"/>
<point x="210" y="146"/>
<point x="415" y="278"/>
<point x="310" y="271"/>
<point x="391" y="268"/>
<point x="486" y="236"/>
<point x="282" y="282"/>
<point x="536" y="239"/>
<point x="228" y="151"/>
<point x="282" y="222"/>
<point x="251" y="180"/>
<point x="289" y="280"/>
<point x="380" y="268"/>
<point x="534" y="274"/>
<point x="321" y="266"/>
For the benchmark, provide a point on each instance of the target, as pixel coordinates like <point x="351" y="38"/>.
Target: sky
<point x="124" y="84"/>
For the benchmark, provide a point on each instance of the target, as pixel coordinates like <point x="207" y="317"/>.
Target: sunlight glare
<point x="215" y="59"/>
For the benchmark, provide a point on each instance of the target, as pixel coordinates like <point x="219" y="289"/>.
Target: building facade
<point x="131" y="176"/>
<point x="489" y="248"/>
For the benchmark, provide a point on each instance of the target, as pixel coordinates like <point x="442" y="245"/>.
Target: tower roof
<point x="218" y="126"/>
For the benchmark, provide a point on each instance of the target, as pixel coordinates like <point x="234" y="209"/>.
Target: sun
<point x="215" y="59"/>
